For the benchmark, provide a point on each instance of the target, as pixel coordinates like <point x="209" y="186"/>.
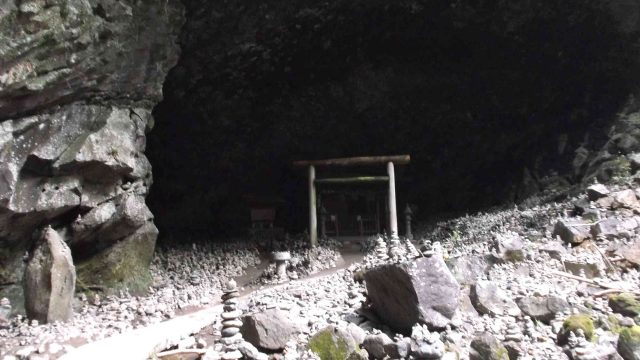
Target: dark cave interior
<point x="475" y="91"/>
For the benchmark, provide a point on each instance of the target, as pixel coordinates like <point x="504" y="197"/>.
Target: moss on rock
<point x="573" y="323"/>
<point x="332" y="344"/>
<point x="123" y="265"/>
<point x="625" y="304"/>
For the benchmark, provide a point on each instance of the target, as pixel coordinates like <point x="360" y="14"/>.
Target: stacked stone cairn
<point x="395" y="250"/>
<point x="529" y="328"/>
<point x="381" y="250"/>
<point x="513" y="332"/>
<point x="411" y="250"/>
<point x="231" y="323"/>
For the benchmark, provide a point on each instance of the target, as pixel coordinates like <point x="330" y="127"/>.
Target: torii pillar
<point x="393" y="214"/>
<point x="362" y="160"/>
<point x="313" y="218"/>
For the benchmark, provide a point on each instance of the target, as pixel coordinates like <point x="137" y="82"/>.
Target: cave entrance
<point x="346" y="209"/>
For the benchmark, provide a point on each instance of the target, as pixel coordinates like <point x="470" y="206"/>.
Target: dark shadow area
<point x="475" y="91"/>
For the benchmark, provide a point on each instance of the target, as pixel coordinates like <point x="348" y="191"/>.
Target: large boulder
<point x="489" y="299"/>
<point x="268" y="330"/>
<point x="77" y="87"/>
<point x="542" y="308"/>
<point x="49" y="280"/>
<point x="421" y="291"/>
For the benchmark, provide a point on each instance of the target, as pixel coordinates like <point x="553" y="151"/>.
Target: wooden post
<point x="393" y="215"/>
<point x="407" y="220"/>
<point x="313" y="220"/>
<point x="323" y="222"/>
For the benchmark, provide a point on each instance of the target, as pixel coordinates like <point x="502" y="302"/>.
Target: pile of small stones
<point x="185" y="276"/>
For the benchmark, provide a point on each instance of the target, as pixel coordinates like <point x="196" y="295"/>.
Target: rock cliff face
<point x="481" y="94"/>
<point x="78" y="80"/>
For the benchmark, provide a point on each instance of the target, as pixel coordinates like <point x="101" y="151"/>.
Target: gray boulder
<point x="421" y="291"/>
<point x="508" y="247"/>
<point x="377" y="345"/>
<point x="573" y="232"/>
<point x="609" y="228"/>
<point x="630" y="252"/>
<point x="49" y="280"/>
<point x="487" y="347"/>
<point x="268" y="330"/>
<point x="465" y="269"/>
<point x="489" y="299"/>
<point x="542" y="308"/>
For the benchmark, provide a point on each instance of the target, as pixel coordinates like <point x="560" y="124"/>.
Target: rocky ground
<point x="550" y="281"/>
<point x="185" y="279"/>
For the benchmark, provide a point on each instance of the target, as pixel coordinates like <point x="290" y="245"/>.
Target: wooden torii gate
<point x="353" y="161"/>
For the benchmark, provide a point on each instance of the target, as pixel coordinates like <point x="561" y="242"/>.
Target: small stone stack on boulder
<point x="381" y="250"/>
<point x="231" y="322"/>
<point x="50" y="280"/>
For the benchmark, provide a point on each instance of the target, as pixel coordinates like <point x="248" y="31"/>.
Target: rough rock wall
<point x="480" y="93"/>
<point x="78" y="80"/>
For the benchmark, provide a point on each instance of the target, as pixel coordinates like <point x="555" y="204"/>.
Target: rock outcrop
<point x="50" y="280"/>
<point x="78" y="80"/>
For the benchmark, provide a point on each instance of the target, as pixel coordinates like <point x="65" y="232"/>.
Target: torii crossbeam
<point x="353" y="161"/>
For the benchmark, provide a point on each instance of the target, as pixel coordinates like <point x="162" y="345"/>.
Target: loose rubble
<point x="511" y="284"/>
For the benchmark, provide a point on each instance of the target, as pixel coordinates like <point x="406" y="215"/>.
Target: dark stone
<point x="489" y="299"/>
<point x="572" y="232"/>
<point x="377" y="345"/>
<point x="398" y="349"/>
<point x="422" y="291"/>
<point x="268" y="330"/>
<point x="596" y="191"/>
<point x="487" y="347"/>
<point x="542" y="308"/>
<point x="609" y="228"/>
